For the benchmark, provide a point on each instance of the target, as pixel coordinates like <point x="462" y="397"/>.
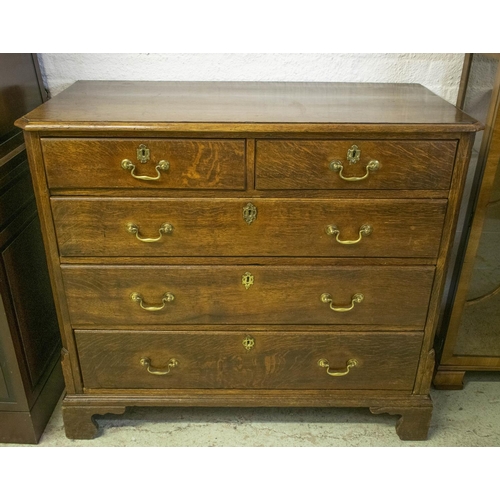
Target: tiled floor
<point x="461" y="418"/>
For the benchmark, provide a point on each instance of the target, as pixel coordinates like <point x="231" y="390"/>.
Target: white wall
<point x="438" y="72"/>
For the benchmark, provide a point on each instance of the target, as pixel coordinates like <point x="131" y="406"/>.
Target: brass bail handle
<point x="165" y="228"/>
<point x="364" y="230"/>
<point x="336" y="166"/>
<point x="143" y="155"/>
<point x="353" y="156"/>
<point x="357" y="298"/>
<point x="162" y="166"/>
<point x="137" y="297"/>
<point x="146" y="362"/>
<point x="324" y="363"/>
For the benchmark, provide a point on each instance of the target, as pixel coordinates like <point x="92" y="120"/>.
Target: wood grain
<point x="194" y="164"/>
<point x="301" y="164"/>
<point x="100" y="295"/>
<point x="229" y="144"/>
<point x="215" y="227"/>
<point x="79" y="423"/>
<point x="219" y="360"/>
<point x="449" y="380"/>
<point x="40" y="188"/>
<point x="414" y="422"/>
<point x="114" y="105"/>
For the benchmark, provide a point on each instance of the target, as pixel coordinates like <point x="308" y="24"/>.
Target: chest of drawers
<point x="247" y="244"/>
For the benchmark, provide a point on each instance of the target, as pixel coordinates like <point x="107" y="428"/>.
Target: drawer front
<point x="211" y="227"/>
<point x="258" y="360"/>
<point x="242" y="295"/>
<point x="400" y="164"/>
<point x="192" y="164"/>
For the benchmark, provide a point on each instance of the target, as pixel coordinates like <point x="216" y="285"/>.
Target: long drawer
<point x="167" y="163"/>
<point x="243" y="295"/>
<point x="255" y="227"/>
<point x="303" y="164"/>
<point x="256" y="360"/>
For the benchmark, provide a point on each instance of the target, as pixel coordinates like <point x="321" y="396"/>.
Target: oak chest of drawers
<point x="247" y="244"/>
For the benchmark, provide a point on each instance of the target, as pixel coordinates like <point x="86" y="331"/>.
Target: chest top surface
<point x="253" y="106"/>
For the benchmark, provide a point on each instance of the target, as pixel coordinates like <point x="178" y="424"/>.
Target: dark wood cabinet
<point x="30" y="374"/>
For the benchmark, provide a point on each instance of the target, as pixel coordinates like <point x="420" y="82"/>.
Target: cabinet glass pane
<point x="479" y="331"/>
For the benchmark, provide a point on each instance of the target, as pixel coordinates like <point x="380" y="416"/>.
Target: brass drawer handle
<point x="336" y="166"/>
<point x="162" y="166"/>
<point x="357" y="298"/>
<point x="165" y="228"/>
<point x="323" y="363"/>
<point x="172" y="363"/>
<point x="364" y="230"/>
<point x="167" y="297"/>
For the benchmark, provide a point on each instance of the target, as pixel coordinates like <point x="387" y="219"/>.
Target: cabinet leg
<point x="79" y="422"/>
<point x="449" y="380"/>
<point x="414" y="422"/>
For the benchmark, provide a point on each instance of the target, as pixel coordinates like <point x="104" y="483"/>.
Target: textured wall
<point x="438" y="72"/>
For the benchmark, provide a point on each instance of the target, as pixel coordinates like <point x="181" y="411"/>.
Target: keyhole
<point x="142" y="153"/>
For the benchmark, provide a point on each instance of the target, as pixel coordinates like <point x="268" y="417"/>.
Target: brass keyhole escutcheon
<point x="353" y="154"/>
<point x="143" y="153"/>
<point x="247" y="280"/>
<point x="249" y="213"/>
<point x="248" y="342"/>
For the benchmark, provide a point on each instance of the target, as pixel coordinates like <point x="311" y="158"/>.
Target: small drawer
<point x="243" y="295"/>
<point x="424" y="165"/>
<point x="122" y="227"/>
<point x="254" y="360"/>
<point x="143" y="163"/>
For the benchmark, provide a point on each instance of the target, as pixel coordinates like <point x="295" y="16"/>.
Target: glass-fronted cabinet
<point x="469" y="335"/>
